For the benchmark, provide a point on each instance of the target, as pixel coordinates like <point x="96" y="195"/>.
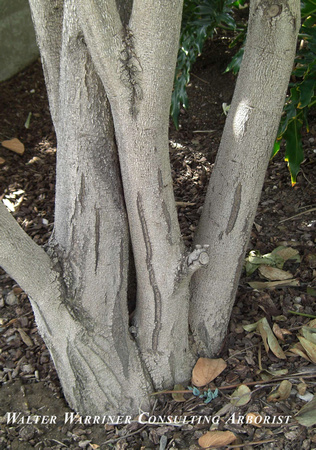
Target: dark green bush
<point x="202" y="17"/>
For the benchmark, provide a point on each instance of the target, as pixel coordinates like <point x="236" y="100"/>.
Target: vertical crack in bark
<point x="82" y="190"/>
<point x="152" y="277"/>
<point x="168" y="221"/>
<point x="131" y="70"/>
<point x="97" y="238"/>
<point x="120" y="319"/>
<point x="83" y="369"/>
<point x="165" y="210"/>
<point x="235" y="209"/>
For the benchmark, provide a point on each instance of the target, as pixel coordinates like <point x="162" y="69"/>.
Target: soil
<point x="286" y="215"/>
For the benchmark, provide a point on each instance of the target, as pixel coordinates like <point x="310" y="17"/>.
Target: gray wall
<point x="17" y="38"/>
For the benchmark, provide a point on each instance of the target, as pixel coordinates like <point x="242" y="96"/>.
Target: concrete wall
<point x="17" y="38"/>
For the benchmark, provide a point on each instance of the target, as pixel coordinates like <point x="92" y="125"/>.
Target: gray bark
<point x="91" y="240"/>
<point x="237" y="179"/>
<point x="109" y="68"/>
<point x="144" y="54"/>
<point x="48" y="18"/>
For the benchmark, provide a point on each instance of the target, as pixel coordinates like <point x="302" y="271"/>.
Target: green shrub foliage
<point x="200" y="20"/>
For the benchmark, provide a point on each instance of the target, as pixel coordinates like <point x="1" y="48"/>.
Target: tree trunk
<point x="109" y="68"/>
<point x="237" y="179"/>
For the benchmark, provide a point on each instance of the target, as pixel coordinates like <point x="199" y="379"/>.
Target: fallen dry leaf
<point x="273" y="284"/>
<point x="178" y="396"/>
<point x="269" y="340"/>
<point x="25" y="338"/>
<point x="206" y="370"/>
<point x="272" y="273"/>
<point x="254" y="419"/>
<point x="307" y="415"/>
<point x="216" y="439"/>
<point x="14" y="145"/>
<point x="301" y="388"/>
<point x="280" y="332"/>
<point x="241" y="396"/>
<point x="298" y="350"/>
<point x="312" y="324"/>
<point x="309" y="347"/>
<point x="283" y="392"/>
<point x="286" y="252"/>
<point x="2" y="161"/>
<point x="309" y="333"/>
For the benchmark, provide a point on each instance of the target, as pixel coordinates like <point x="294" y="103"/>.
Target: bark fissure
<point x="119" y="314"/>
<point x="151" y="273"/>
<point x="131" y="70"/>
<point x="235" y="209"/>
<point x="167" y="217"/>
<point x="82" y="191"/>
<point x="97" y="238"/>
<point x="80" y="365"/>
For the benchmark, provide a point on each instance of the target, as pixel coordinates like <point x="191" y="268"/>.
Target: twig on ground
<point x="297" y="215"/>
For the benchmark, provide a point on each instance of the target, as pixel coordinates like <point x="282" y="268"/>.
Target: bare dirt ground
<point x="286" y="215"/>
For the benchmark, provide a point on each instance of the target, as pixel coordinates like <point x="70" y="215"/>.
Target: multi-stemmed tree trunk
<point x="109" y="68"/>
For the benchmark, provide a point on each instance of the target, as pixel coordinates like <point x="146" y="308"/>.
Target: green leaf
<point x="308" y="7"/>
<point x="307" y="88"/>
<point x="276" y="148"/>
<point x="235" y="63"/>
<point x="294" y="150"/>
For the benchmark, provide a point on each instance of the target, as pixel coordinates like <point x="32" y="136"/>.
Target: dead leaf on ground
<point x="206" y="370"/>
<point x="280" y="332"/>
<point x="266" y="374"/>
<point x="309" y="347"/>
<point x="301" y="388"/>
<point x="25" y="338"/>
<point x="307" y="415"/>
<point x="241" y="396"/>
<point x="309" y="333"/>
<point x="282" y="393"/>
<point x="273" y="284"/>
<point x="273" y="273"/>
<point x="269" y="340"/>
<point x="250" y="327"/>
<point x="312" y="324"/>
<point x="178" y="396"/>
<point x="298" y="350"/>
<point x="15" y="145"/>
<point x="216" y="439"/>
<point x="287" y="253"/>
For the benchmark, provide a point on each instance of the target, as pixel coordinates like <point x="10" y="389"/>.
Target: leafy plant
<point x="200" y="19"/>
<point x="207" y="395"/>
<point x="302" y="93"/>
